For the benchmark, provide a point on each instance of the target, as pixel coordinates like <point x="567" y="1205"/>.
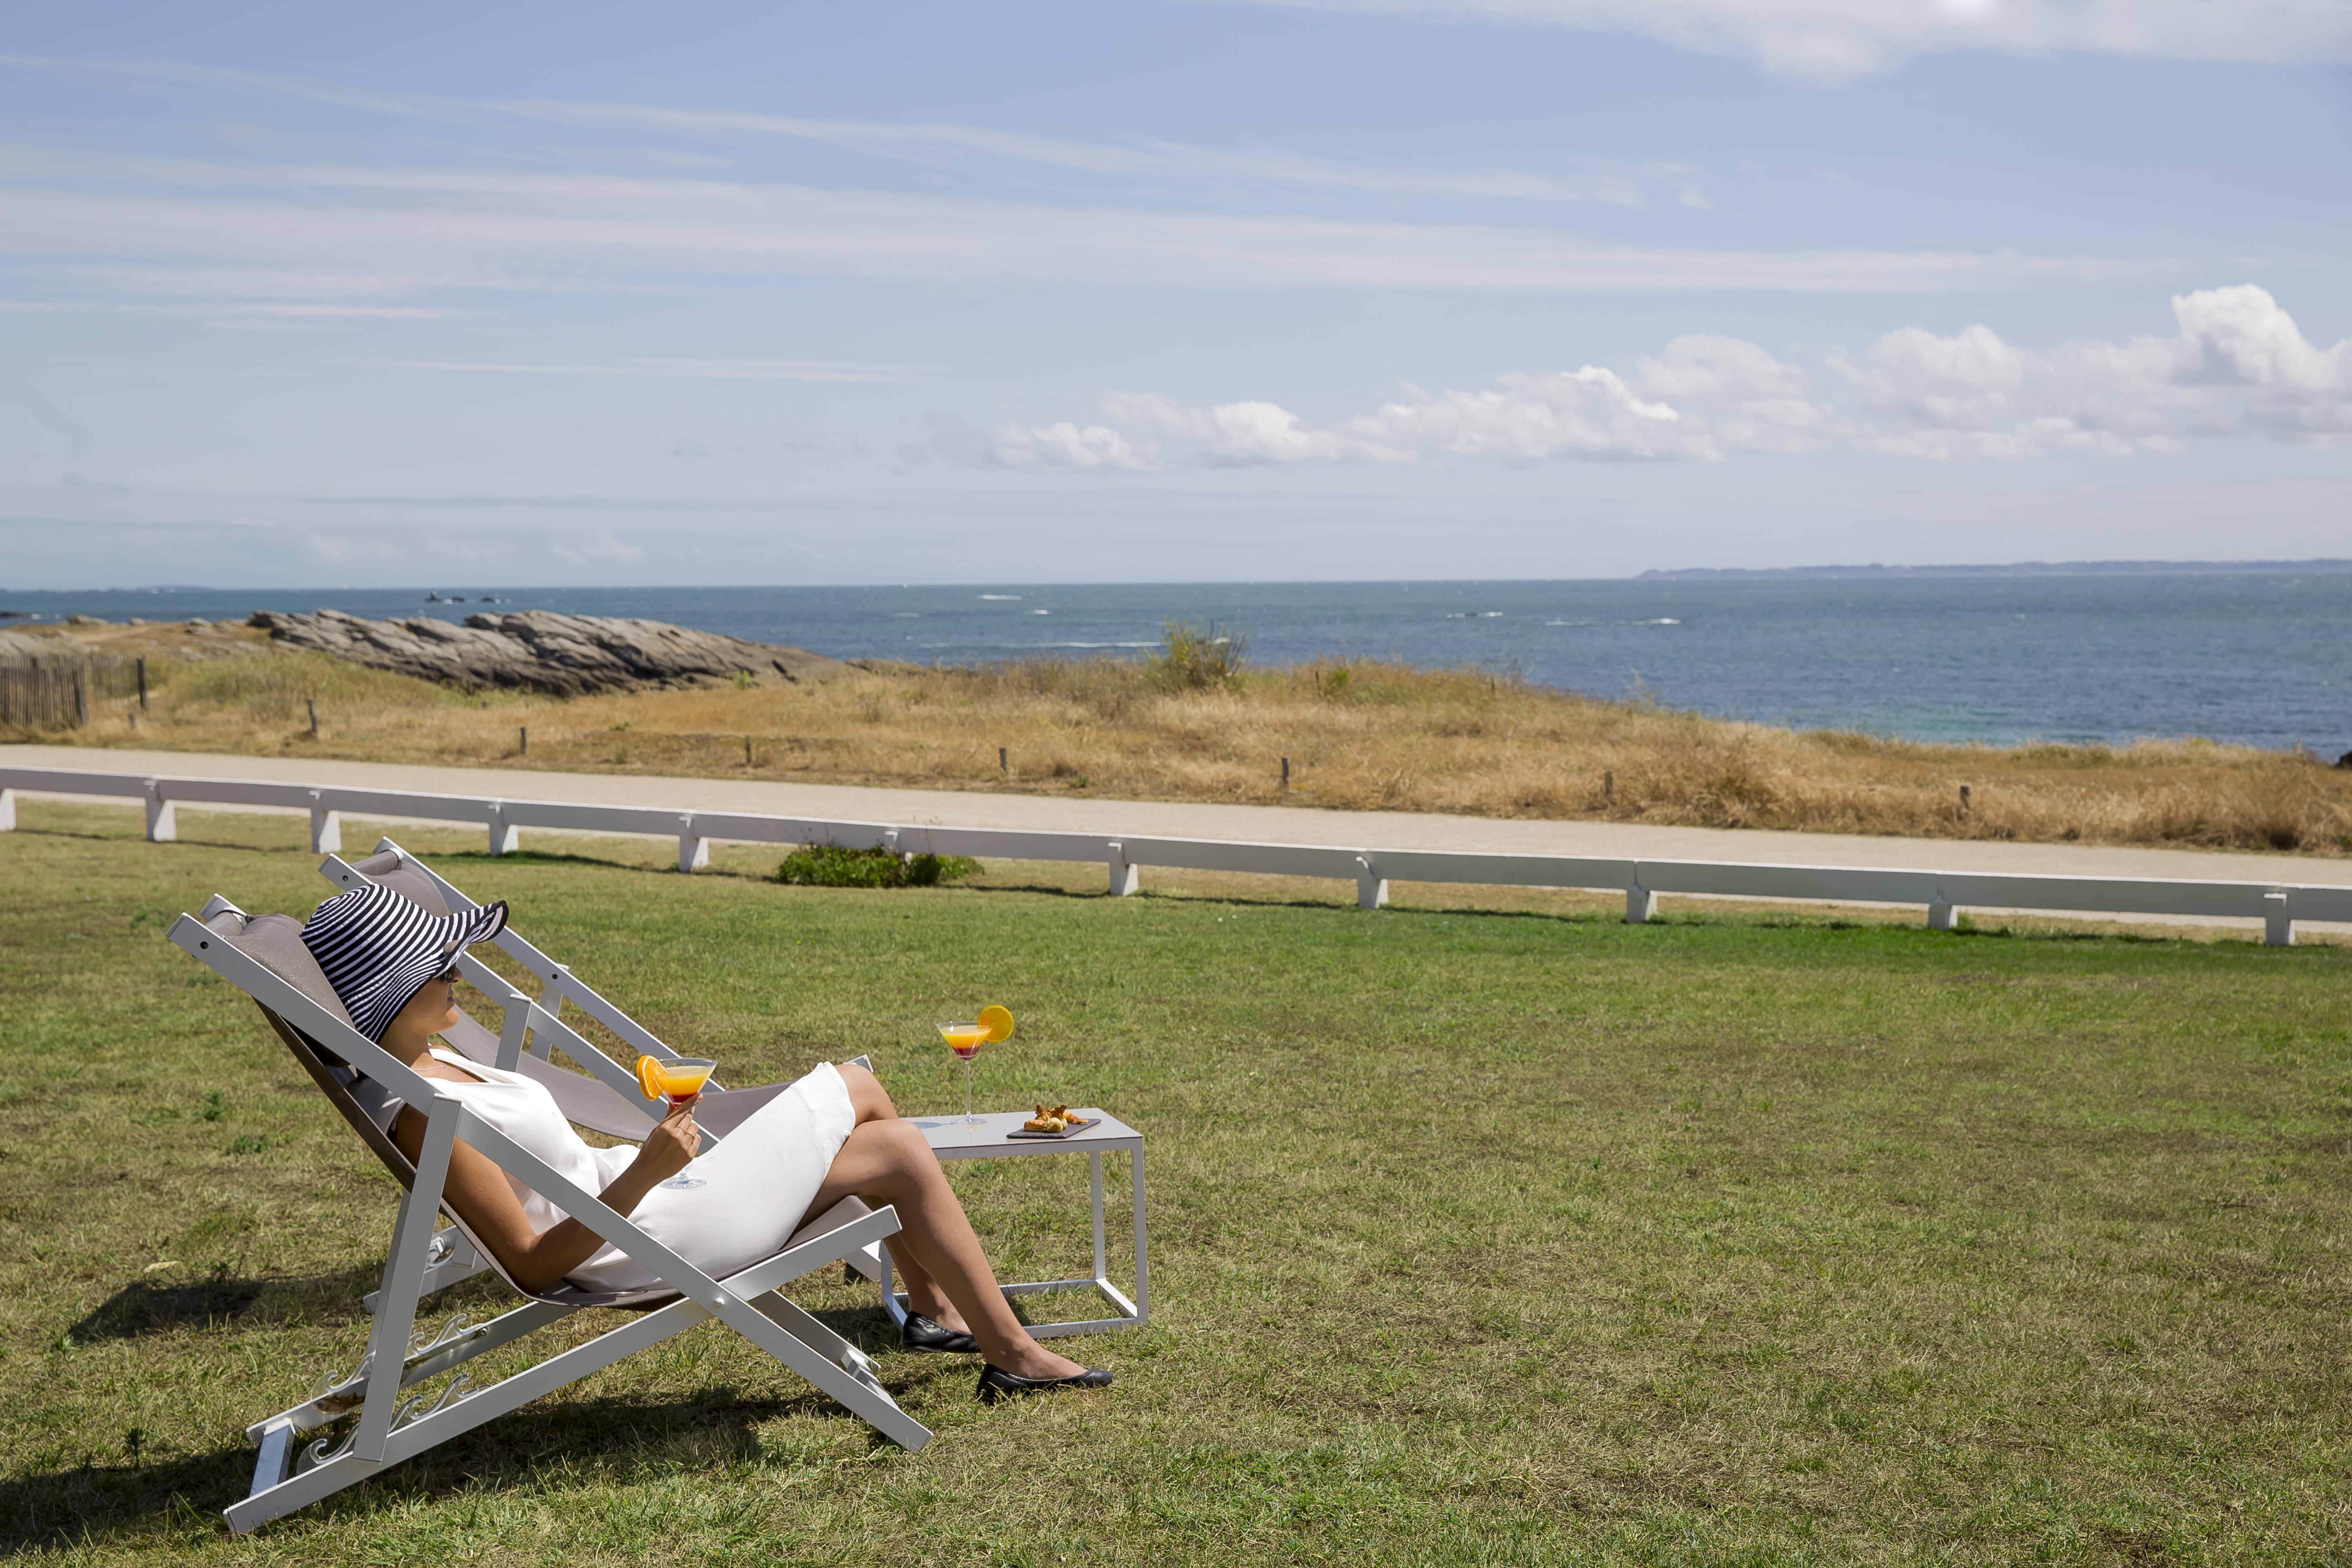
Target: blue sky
<point x="290" y="295"/>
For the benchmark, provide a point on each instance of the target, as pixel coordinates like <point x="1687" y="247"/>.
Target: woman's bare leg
<point x="886" y="1160"/>
<point x="872" y="1102"/>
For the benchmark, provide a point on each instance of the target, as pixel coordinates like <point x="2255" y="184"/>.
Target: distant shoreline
<point x="2012" y="569"/>
<point x="423" y="594"/>
<point x="2256" y="653"/>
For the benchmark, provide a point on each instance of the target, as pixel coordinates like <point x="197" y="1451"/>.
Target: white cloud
<point x="2237" y="366"/>
<point x="1837" y="38"/>
<point x="309" y="312"/>
<point x="47" y="415"/>
<point x="1586" y="413"/>
<point x="599" y="548"/>
<point x="396" y="231"/>
<point x="1615" y="183"/>
<point x="1081" y="448"/>
<point x="839" y="371"/>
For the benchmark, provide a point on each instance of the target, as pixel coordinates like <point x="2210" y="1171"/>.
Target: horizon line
<point x="1875" y="568"/>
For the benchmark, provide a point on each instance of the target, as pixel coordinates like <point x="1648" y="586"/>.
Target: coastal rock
<point x="539" y="651"/>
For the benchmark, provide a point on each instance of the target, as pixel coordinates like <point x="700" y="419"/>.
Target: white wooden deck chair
<point x="530" y="1029"/>
<point x="264" y="957"/>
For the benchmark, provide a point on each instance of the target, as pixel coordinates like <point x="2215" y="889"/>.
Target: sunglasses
<point x="449" y="976"/>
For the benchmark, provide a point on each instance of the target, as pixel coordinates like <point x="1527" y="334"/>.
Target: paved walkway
<point x="1262" y="823"/>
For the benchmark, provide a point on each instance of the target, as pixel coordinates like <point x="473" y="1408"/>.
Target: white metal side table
<point x="952" y="1139"/>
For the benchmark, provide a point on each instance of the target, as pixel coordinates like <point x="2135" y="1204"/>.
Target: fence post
<point x="81" y="696"/>
<point x="325" y="826"/>
<point x="1125" y="877"/>
<point x="163" y="818"/>
<point x="1371" y="888"/>
<point x="2278" y="926"/>
<point x="1941" y="916"/>
<point x="505" y="837"/>
<point x="693" y="850"/>
<point x="142" y="683"/>
<point x="1641" y="904"/>
<point x="8" y="810"/>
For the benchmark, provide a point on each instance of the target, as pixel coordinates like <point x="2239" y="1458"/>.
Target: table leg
<point x="897" y="1315"/>
<point x="1142" y="1267"/>
<point x="1094" y="1162"/>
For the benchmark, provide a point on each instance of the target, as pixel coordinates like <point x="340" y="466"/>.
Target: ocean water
<point x="2263" y="658"/>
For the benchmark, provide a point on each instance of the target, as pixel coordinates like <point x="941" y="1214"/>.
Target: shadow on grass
<point x="106" y="1498"/>
<point x="546" y="858"/>
<point x="146" y="1307"/>
<point x="150" y="1306"/>
<point x="84" y="1505"/>
<point x="619" y="1440"/>
<point x="134" y="835"/>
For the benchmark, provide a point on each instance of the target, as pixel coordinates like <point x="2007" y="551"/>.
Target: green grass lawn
<point x="1475" y="1236"/>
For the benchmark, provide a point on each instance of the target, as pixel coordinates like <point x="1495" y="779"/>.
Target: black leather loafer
<point x="996" y="1383"/>
<point x="919" y="1333"/>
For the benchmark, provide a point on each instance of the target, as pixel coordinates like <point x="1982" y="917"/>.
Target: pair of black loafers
<point x="920" y="1334"/>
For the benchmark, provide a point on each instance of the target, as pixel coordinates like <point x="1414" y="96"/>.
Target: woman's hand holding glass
<point x="670" y="1147"/>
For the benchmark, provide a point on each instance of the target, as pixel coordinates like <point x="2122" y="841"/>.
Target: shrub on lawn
<point x="829" y="866"/>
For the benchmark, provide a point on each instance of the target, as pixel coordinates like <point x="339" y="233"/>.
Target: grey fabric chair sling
<point x="264" y="957"/>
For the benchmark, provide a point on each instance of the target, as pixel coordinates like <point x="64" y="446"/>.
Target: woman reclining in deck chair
<point x="831" y="1135"/>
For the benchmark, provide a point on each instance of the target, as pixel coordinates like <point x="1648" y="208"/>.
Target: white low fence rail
<point x="2278" y="905"/>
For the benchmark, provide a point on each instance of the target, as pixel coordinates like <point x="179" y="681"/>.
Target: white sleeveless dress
<point x="757" y="1182"/>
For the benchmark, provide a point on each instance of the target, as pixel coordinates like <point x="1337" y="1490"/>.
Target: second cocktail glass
<point x="965" y="1040"/>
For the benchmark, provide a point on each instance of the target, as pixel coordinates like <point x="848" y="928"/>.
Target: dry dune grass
<point x="1363" y="735"/>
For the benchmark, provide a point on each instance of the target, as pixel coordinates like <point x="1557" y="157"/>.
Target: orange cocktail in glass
<point x="965" y="1040"/>
<point x="677" y="1081"/>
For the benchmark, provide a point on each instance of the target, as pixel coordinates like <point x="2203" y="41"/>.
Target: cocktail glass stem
<point x="969" y="1119"/>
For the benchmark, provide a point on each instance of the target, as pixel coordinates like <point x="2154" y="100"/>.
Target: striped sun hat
<point x="378" y="949"/>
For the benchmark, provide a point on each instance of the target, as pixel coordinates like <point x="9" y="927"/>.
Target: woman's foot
<point x="921" y="1334"/>
<point x="934" y="1304"/>
<point x="1029" y="1360"/>
<point x="996" y="1383"/>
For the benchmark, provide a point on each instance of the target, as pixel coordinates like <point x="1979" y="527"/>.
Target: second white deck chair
<point x="609" y="1101"/>
<point x="265" y="958"/>
<point x="531" y="1028"/>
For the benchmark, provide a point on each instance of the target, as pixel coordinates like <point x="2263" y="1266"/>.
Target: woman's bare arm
<point x="538" y="1259"/>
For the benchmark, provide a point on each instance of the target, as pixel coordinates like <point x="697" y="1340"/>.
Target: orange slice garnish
<point x="997" y="1021"/>
<point x="649" y="1078"/>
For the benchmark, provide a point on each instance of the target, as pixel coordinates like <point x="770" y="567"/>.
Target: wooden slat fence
<point x="52" y="691"/>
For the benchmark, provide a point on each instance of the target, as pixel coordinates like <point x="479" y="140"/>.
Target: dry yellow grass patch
<point x="1357" y="735"/>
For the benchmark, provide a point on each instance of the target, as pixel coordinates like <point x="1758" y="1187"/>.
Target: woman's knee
<point x="866" y="1095"/>
<point x="892" y="1143"/>
<point x="887" y="1160"/>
